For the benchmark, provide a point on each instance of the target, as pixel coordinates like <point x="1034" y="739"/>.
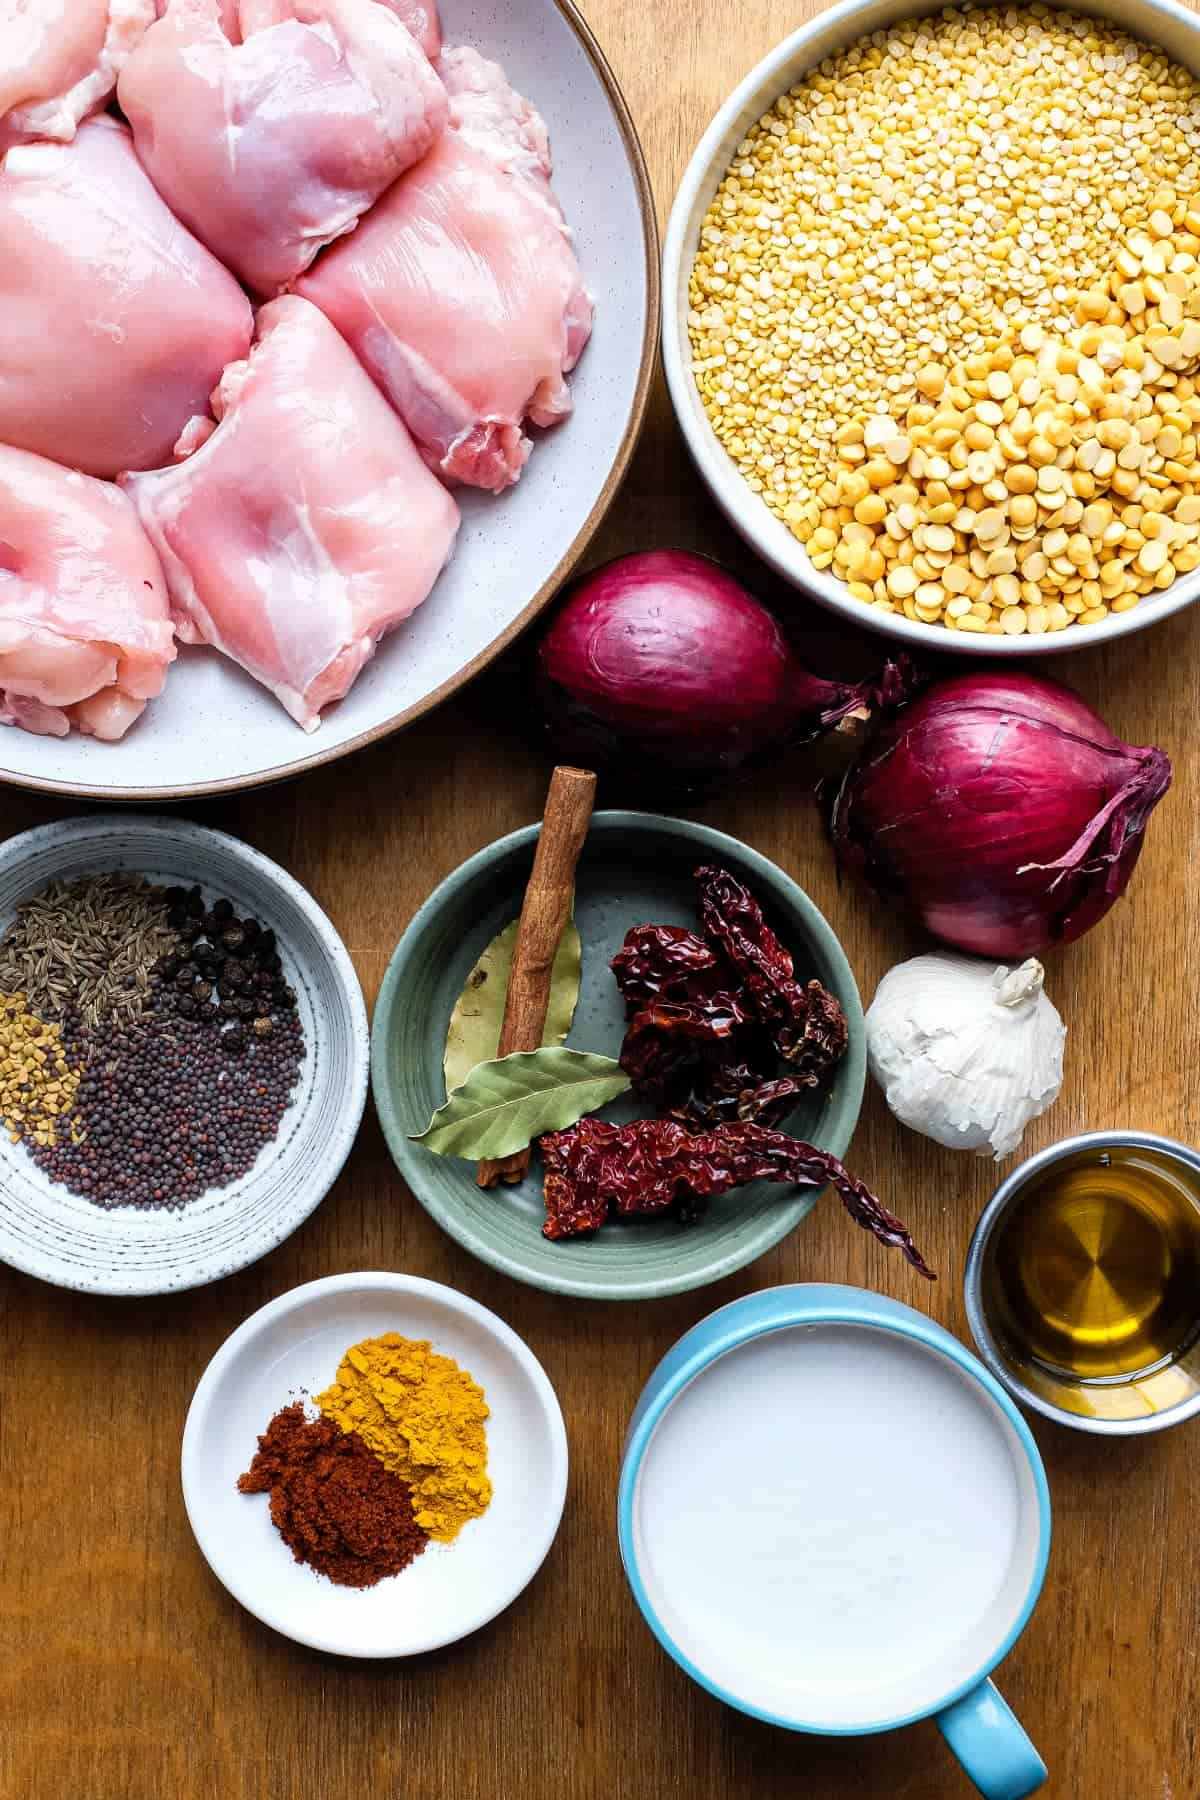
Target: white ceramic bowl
<point x="61" y="1238"/>
<point x="1161" y="21"/>
<point x="216" y="729"/>
<point x="294" y="1346"/>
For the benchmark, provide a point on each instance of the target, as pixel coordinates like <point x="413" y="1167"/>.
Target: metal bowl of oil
<point x="1082" y="1283"/>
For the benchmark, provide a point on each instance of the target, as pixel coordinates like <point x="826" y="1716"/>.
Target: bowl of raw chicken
<point x="329" y="326"/>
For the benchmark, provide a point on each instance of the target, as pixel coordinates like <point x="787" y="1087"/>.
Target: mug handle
<point x="988" y="1740"/>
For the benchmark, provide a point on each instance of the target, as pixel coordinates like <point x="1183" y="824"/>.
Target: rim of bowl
<point x="407" y="1156"/>
<point x="377" y="1281"/>
<point x="828" y="1312"/>
<point x="766" y="535"/>
<point x="985" y="1339"/>
<point x="341" y="1140"/>
<point x="574" y="553"/>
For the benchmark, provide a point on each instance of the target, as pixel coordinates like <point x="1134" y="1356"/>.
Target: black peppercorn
<point x="185" y="1005"/>
<point x="271" y="962"/>
<point x="223" y="910"/>
<point x="234" y="939"/>
<point x="234" y="1039"/>
<point x="285" y="995"/>
<point x="185" y="975"/>
<point x="228" y="1008"/>
<point x="189" y="931"/>
<point x="244" y="1006"/>
<point x="252" y="929"/>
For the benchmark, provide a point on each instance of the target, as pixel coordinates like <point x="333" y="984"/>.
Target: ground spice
<point x="423" y="1417"/>
<point x="333" y="1503"/>
<point x="37" y="1083"/>
<point x="87" y="948"/>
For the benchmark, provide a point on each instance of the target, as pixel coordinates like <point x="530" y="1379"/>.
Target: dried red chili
<point x="333" y="1502"/>
<point x="595" y="1169"/>
<point x="806" y="1022"/>
<point x="668" y="962"/>
<point x="710" y="1016"/>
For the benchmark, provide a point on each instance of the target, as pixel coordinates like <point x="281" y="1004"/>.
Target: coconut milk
<point x="836" y="1526"/>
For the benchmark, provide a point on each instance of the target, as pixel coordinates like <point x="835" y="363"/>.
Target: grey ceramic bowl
<point x="635" y="868"/>
<point x="51" y="1233"/>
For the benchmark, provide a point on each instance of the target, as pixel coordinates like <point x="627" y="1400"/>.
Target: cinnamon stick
<point x="543" y="916"/>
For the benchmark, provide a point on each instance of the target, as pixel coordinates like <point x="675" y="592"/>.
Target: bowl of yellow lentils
<point x="932" y="317"/>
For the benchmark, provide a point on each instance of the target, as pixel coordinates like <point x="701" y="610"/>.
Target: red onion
<point x="661" y="661"/>
<point x="1001" y="810"/>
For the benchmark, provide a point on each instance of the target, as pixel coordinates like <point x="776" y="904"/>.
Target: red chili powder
<point x="334" y="1504"/>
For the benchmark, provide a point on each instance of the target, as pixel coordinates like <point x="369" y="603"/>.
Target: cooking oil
<point x="1095" y="1273"/>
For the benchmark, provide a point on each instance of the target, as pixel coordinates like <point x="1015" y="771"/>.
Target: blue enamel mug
<point x="835" y="1519"/>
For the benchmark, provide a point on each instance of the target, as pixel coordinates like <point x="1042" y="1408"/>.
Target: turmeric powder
<point x="423" y="1417"/>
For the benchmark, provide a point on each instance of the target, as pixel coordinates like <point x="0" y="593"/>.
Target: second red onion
<point x="1000" y="810"/>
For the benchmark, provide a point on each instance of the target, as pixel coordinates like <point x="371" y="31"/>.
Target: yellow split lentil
<point x="37" y="1084"/>
<point x="945" y="319"/>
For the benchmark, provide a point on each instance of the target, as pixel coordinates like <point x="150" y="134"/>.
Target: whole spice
<point x="711" y="1015"/>
<point x="806" y="1023"/>
<point x="1001" y="810"/>
<point x="966" y="1053"/>
<point x="544" y="915"/>
<point x="177" y="1096"/>
<point x="37" y="1083"/>
<point x="159" y="1117"/>
<point x="333" y="1503"/>
<point x="87" y="948"/>
<point x="651" y="1165"/>
<point x="423" y="1417"/>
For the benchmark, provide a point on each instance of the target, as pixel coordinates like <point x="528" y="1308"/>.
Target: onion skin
<point x="661" y="664"/>
<point x="1001" y="810"/>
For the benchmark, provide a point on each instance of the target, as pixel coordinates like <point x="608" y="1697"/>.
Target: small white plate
<point x="293" y="1347"/>
<point x="59" y="1237"/>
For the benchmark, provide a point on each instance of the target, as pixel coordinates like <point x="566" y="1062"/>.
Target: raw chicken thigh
<point x="116" y="321"/>
<point x="421" y="17"/>
<point x="59" y="61"/>
<point x="460" y="291"/>
<point x="270" y="147"/>
<point x="306" y="525"/>
<point x="85" y="630"/>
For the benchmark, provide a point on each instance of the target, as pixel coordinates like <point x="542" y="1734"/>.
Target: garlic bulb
<point x="966" y="1052"/>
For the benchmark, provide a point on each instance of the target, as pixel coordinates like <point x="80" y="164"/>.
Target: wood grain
<point x="127" y="1673"/>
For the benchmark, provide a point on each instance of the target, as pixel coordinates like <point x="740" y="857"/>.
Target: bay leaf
<point x="506" y="1103"/>
<point x="474" y="1032"/>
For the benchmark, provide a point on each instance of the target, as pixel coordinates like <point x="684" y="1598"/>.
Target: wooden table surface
<point x="128" y="1673"/>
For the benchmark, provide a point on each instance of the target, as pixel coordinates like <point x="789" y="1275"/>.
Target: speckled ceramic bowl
<point x="214" y="728"/>
<point x="50" y="1233"/>
<point x="635" y="868"/>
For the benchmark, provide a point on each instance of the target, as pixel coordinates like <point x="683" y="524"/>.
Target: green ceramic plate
<point x="635" y="868"/>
